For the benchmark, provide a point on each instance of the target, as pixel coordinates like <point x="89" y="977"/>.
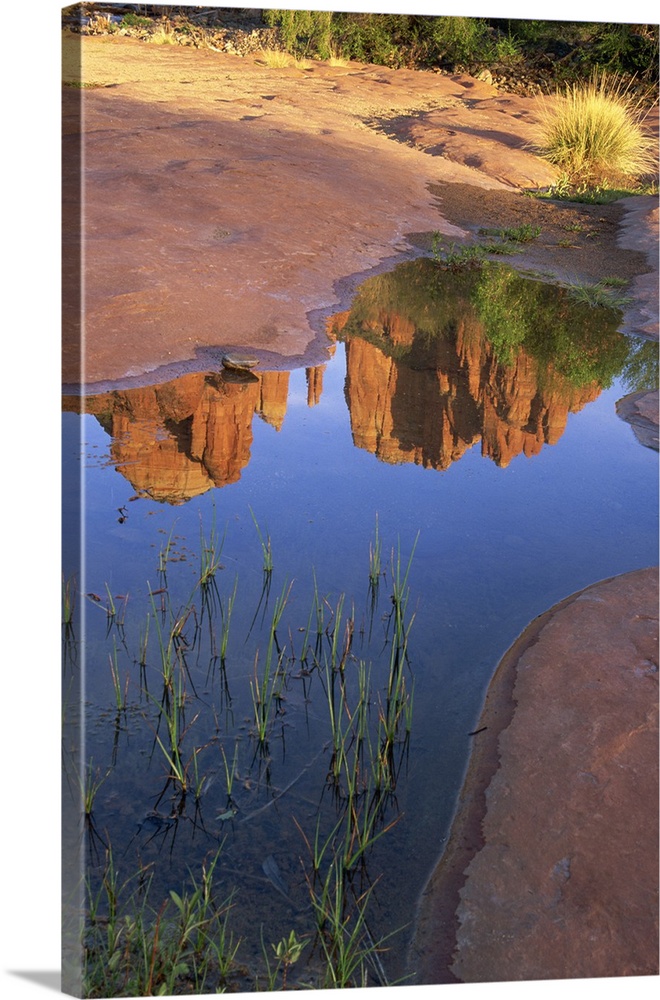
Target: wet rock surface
<point x="551" y="871"/>
<point x="640" y="410"/>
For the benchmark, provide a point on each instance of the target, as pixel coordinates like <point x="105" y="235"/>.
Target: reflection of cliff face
<point x="433" y="401"/>
<point x="178" y="440"/>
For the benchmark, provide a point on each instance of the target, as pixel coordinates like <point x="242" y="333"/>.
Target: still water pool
<point x="465" y="429"/>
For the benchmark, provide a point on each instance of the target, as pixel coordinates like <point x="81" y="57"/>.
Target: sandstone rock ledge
<point x="551" y="871"/>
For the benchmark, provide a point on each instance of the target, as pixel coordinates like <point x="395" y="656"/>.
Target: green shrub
<point x="627" y="48"/>
<point x="135" y="21"/>
<point x="573" y="49"/>
<point x="304" y="32"/>
<point x="386" y="39"/>
<point x="458" y="40"/>
<point x="368" y="38"/>
<point x="570" y="50"/>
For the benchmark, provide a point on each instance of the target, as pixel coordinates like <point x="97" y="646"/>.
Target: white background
<point x="30" y="421"/>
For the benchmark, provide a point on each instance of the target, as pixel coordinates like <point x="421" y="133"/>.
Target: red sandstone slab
<point x="552" y="867"/>
<point x="222" y="200"/>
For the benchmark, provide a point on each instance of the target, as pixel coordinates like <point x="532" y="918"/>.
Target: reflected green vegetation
<point x="511" y="312"/>
<point x="640" y="371"/>
<point x="579" y="342"/>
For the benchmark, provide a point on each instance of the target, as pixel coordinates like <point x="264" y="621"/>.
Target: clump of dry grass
<point x="596" y="132"/>
<point x="276" y="59"/>
<point x="336" y="58"/>
<point x="163" y="35"/>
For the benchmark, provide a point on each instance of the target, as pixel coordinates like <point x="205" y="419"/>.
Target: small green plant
<point x="613" y="282"/>
<point x="455" y="258"/>
<point x="374" y="558"/>
<point x="506" y="249"/>
<point x="230" y="769"/>
<point x="599" y="294"/>
<point x="210" y="552"/>
<point x="266" y="689"/>
<point x="132" y="20"/>
<point x="226" y="610"/>
<point x="343" y="933"/>
<point x="90" y="784"/>
<point x="135" y="948"/>
<point x="266" y="548"/>
<point x="507" y="50"/>
<point x="524" y="233"/>
<point x="121" y="697"/>
<point x="287" y="952"/>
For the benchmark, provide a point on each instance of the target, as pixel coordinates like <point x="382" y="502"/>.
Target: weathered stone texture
<point x="561" y="877"/>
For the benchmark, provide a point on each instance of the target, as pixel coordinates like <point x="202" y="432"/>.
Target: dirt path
<point x="231" y="205"/>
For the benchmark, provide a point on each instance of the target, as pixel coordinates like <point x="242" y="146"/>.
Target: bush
<point x="595" y="133"/>
<point x="386" y="39"/>
<point x="564" y="51"/>
<point x="458" y="40"/>
<point x="304" y="32"/>
<point x="576" y="49"/>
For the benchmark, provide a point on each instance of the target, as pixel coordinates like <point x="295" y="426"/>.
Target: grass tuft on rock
<point x="596" y="132"/>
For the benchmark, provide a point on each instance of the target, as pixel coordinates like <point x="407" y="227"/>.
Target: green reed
<point x="90" y="785"/>
<point x="111" y="609"/>
<point x="226" y="613"/>
<point x="266" y="548"/>
<point x="210" y="552"/>
<point x="266" y="689"/>
<point x="172" y="644"/>
<point x="280" y="606"/>
<point x="367" y="743"/>
<point x="183" y="773"/>
<point x="144" y="643"/>
<point x="316" y="615"/>
<point x="121" y="697"/>
<point x="342" y="932"/>
<point x="68" y="601"/>
<point x="375" y="548"/>
<point x="230" y="769"/>
<point x="164" y="554"/>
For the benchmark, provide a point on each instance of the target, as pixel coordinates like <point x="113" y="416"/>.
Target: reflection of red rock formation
<point x="432" y="406"/>
<point x="177" y="440"/>
<point x="273" y="397"/>
<point x="314" y="378"/>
